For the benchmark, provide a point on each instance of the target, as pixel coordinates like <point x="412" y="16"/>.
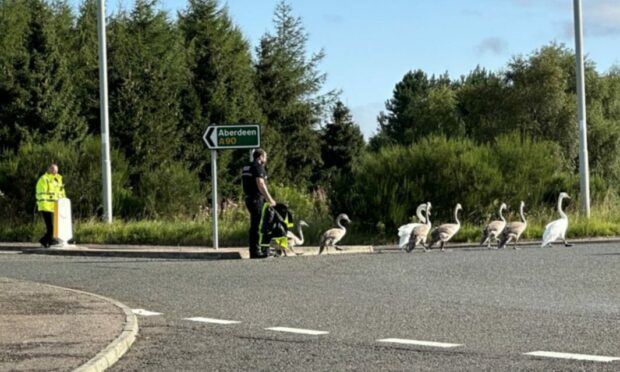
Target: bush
<point x="388" y="185"/>
<point x="170" y="190"/>
<point x="80" y="166"/>
<point x="532" y="171"/>
<point x="301" y="204"/>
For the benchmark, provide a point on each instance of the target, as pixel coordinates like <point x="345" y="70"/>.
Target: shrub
<point x="388" y="185"/>
<point x="80" y="166"/>
<point x="532" y="171"/>
<point x="170" y="190"/>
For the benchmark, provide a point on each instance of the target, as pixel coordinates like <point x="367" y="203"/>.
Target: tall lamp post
<point x="584" y="177"/>
<point x="106" y="168"/>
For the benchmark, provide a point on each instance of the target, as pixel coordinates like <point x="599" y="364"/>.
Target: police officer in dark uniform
<point x="255" y="189"/>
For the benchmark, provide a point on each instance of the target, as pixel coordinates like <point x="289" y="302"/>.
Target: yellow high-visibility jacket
<point x="49" y="189"/>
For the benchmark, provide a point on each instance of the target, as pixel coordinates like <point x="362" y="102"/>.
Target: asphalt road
<point x="483" y="310"/>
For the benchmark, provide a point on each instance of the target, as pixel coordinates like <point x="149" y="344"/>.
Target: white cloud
<point x="492" y="45"/>
<point x="602" y="18"/>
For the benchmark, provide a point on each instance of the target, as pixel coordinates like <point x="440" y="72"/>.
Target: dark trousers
<point x="48" y="218"/>
<point x="254" y="206"/>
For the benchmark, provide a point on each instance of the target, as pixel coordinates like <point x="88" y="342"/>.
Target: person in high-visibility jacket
<point x="49" y="189"/>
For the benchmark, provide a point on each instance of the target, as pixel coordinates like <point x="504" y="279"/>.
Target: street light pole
<point x="106" y="168"/>
<point x="584" y="176"/>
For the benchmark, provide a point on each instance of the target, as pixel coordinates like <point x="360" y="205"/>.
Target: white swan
<point x="446" y="231"/>
<point x="404" y="232"/>
<point x="557" y="229"/>
<point x="294" y="240"/>
<point x="420" y="233"/>
<point x="514" y="229"/>
<point x="494" y="228"/>
<point x="333" y="236"/>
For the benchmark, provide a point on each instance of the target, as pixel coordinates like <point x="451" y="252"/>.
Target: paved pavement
<point x="208" y="253"/>
<point x="170" y="252"/>
<point x="49" y="328"/>
<point x="44" y="327"/>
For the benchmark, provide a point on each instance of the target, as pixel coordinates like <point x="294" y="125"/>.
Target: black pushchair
<point x="273" y="229"/>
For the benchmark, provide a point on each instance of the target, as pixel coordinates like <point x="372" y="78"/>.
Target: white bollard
<point x="63" y="227"/>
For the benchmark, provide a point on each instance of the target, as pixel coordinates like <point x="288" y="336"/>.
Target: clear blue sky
<point x="371" y="44"/>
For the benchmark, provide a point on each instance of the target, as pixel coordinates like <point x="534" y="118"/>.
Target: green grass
<point x="233" y="227"/>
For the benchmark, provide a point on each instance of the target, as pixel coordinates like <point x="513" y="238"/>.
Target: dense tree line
<point x="524" y="115"/>
<point x="169" y="78"/>
<point x="534" y="96"/>
<point x="477" y="139"/>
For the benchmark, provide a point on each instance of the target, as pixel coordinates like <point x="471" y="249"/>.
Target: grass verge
<point x="233" y="231"/>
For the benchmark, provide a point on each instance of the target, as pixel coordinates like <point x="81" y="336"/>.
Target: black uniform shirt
<point x="250" y="173"/>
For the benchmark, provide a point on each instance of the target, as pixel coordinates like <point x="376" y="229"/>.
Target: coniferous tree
<point x="222" y="86"/>
<point x="54" y="112"/>
<point x="39" y="95"/>
<point x="342" y="140"/>
<point x="342" y="143"/>
<point x="85" y="62"/>
<point x="147" y="71"/>
<point x="289" y="83"/>
<point x="14" y="60"/>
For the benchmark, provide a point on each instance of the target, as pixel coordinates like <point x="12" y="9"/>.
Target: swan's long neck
<point x="501" y="216"/>
<point x="418" y="213"/>
<point x="428" y="219"/>
<point x="521" y="213"/>
<point x="562" y="214"/>
<point x="339" y="224"/>
<point x="456" y="216"/>
<point x="301" y="235"/>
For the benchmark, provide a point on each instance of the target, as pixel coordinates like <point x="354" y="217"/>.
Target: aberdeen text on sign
<point x="232" y="136"/>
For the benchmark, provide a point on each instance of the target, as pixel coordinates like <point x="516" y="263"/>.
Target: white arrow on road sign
<point x="211" y="137"/>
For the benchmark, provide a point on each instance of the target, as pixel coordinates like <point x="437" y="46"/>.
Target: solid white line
<point x="551" y="354"/>
<point x="297" y="330"/>
<point x="417" y="342"/>
<point x="143" y="312"/>
<point x="211" y="320"/>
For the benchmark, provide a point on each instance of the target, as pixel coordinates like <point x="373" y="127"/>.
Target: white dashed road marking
<point x="417" y="342"/>
<point x="143" y="312"/>
<point x="551" y="354"/>
<point x="211" y="320"/>
<point x="297" y="330"/>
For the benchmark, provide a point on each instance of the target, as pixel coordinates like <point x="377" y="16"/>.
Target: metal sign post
<point x="227" y="137"/>
<point x="214" y="197"/>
